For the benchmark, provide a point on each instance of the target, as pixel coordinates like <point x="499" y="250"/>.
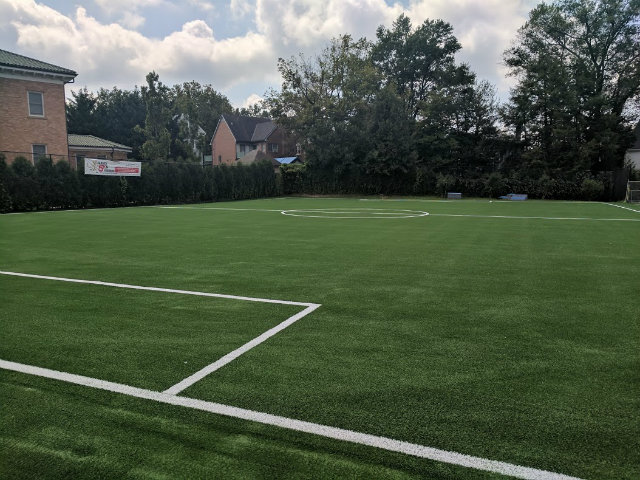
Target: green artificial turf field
<point x="507" y="331"/>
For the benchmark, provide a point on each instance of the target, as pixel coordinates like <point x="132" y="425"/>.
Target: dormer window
<point x="36" y="104"/>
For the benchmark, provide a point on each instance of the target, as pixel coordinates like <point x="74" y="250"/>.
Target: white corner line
<point x="335" y="433"/>
<point x="229" y="357"/>
<point x="157" y="289"/>
<point x="624" y="208"/>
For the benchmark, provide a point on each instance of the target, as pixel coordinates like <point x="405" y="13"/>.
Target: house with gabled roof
<point x="237" y="135"/>
<point x="32" y="118"/>
<point x="90" y="146"/>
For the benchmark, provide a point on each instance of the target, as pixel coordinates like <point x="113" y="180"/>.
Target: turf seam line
<point x="199" y="375"/>
<point x="335" y="433"/>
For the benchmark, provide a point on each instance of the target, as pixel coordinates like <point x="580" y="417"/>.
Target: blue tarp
<point x="515" y="196"/>
<point x="287" y="160"/>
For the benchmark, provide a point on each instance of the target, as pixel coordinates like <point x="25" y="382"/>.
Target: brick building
<point x="236" y="135"/>
<point x="90" y="146"/>
<point x="32" y="117"/>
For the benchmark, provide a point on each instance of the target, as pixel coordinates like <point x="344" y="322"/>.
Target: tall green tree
<point x="118" y="113"/>
<point x="418" y="61"/>
<point x="110" y="114"/>
<point x="577" y="63"/>
<point x="157" y="101"/>
<point x="81" y="113"/>
<point x="327" y="102"/>
<point x="198" y="106"/>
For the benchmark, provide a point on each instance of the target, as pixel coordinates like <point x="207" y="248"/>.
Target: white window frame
<point x="273" y="148"/>
<point x="29" y="104"/>
<point x="33" y="153"/>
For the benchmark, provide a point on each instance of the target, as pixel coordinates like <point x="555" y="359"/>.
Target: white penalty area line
<point x="384" y="443"/>
<point x="200" y="374"/>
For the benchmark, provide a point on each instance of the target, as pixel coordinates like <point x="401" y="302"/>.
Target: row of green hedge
<point x="47" y="185"/>
<point x="300" y="179"/>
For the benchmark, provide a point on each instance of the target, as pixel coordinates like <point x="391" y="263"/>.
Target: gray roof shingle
<point x="249" y="129"/>
<point x="10" y="59"/>
<point x="89" y="141"/>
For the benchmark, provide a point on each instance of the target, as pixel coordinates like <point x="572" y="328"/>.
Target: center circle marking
<point x="354" y="213"/>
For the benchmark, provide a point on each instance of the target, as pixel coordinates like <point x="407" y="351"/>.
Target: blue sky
<point x="234" y="44"/>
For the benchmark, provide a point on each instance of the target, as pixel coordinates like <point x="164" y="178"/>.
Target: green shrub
<point x="591" y="189"/>
<point x="495" y="186"/>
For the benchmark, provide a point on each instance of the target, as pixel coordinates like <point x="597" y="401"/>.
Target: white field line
<point x="199" y="375"/>
<point x="437" y="214"/>
<point x="384" y="443"/>
<point x="221" y="208"/>
<point x="403" y="200"/>
<point x="536" y="218"/>
<point x="229" y="357"/>
<point x="625" y="208"/>
<point x="157" y="289"/>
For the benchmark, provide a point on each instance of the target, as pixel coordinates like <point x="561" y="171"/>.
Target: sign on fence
<point x="96" y="166"/>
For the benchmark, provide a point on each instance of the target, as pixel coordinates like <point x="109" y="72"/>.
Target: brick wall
<point x="18" y="130"/>
<point x="75" y="151"/>
<point x="223" y="145"/>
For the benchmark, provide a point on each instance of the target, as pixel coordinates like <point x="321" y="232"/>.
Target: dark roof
<point x="249" y="129"/>
<point x="262" y="131"/>
<point x="89" y="141"/>
<point x="9" y="59"/>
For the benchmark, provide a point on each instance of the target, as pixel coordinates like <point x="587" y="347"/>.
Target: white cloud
<point x="105" y="55"/>
<point x="252" y="100"/>
<point x="308" y="23"/>
<point x="117" y="6"/>
<point x="202" y="5"/>
<point x="132" y="20"/>
<point x="485" y="28"/>
<point x="241" y="8"/>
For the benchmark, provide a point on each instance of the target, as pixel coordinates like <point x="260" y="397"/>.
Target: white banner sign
<point x="96" y="166"/>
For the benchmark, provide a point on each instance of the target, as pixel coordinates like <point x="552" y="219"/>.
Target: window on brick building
<point x="36" y="104"/>
<point x="273" y="147"/>
<point x="38" y="151"/>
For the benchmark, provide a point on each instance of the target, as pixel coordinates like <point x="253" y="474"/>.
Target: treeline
<point x="399" y="114"/>
<point x="602" y="186"/>
<point x="157" y="121"/>
<point x="50" y="186"/>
